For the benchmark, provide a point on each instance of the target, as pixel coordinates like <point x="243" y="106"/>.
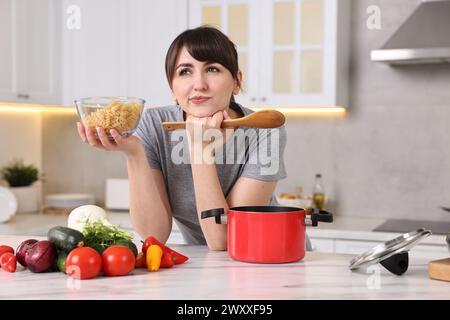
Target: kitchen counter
<point x="361" y="228"/>
<point x="213" y="275"/>
<point x="350" y="228"/>
<point x="38" y="224"/>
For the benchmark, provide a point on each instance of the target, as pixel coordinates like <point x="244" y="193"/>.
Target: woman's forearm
<point x="209" y="195"/>
<point x="149" y="205"/>
<point x="208" y="191"/>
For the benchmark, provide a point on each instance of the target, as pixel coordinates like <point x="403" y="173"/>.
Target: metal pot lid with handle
<point x="393" y="254"/>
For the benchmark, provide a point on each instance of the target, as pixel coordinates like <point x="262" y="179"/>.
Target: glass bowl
<point x="120" y="113"/>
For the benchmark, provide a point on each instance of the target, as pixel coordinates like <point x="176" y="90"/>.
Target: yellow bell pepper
<point x="153" y="257"/>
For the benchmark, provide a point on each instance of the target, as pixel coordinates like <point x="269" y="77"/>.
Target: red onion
<point x="41" y="256"/>
<point x="22" y="250"/>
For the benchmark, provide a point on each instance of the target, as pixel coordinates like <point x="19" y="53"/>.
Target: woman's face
<point x="202" y="88"/>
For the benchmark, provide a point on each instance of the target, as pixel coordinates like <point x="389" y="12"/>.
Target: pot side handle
<point x="216" y="213"/>
<point x="320" y="215"/>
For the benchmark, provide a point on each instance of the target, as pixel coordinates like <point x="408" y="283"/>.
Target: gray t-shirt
<point x="251" y="153"/>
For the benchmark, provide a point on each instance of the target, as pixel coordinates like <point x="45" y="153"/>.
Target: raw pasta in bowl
<point x="120" y="113"/>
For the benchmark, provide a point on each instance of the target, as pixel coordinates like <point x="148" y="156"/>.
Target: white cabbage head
<point x="84" y="214"/>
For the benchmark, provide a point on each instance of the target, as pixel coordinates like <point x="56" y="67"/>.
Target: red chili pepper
<point x="167" y="260"/>
<point x="141" y="261"/>
<point x="177" y="257"/>
<point x="8" y="261"/>
<point x="4" y="249"/>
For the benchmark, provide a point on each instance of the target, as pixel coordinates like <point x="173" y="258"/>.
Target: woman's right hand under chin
<point x="129" y="145"/>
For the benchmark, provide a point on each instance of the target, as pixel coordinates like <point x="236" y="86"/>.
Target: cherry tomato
<point x="4" y="249"/>
<point x="118" y="261"/>
<point x="8" y="261"/>
<point x="83" y="263"/>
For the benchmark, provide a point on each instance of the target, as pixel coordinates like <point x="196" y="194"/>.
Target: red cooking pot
<point x="267" y="234"/>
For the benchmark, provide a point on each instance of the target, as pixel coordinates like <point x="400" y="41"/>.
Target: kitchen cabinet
<point x="154" y="25"/>
<point x="95" y="53"/>
<point x="114" y="47"/>
<point x="120" y="48"/>
<point x="323" y="245"/>
<point x="29" y="54"/>
<point x="292" y="53"/>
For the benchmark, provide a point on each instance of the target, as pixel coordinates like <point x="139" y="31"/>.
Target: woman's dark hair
<point x="203" y="44"/>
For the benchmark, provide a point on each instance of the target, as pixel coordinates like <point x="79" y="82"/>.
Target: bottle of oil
<point x="318" y="192"/>
<point x="299" y="191"/>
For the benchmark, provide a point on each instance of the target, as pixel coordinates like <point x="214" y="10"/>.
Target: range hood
<point x="423" y="38"/>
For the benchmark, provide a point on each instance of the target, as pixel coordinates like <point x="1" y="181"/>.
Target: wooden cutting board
<point x="439" y="269"/>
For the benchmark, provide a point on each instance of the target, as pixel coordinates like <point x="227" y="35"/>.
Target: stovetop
<point x="403" y="225"/>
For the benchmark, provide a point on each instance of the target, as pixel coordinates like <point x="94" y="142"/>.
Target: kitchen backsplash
<point x="20" y="138"/>
<point x="72" y="166"/>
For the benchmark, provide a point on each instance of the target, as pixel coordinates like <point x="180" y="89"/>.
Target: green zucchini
<point x="61" y="261"/>
<point x="64" y="238"/>
<point x="97" y="247"/>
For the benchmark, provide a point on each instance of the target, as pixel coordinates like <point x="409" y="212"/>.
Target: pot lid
<point x="392" y="252"/>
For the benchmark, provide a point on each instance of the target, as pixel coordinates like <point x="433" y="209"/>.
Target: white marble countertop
<point x="213" y="275"/>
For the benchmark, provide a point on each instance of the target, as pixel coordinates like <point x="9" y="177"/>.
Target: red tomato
<point x="4" y="249"/>
<point x="83" y="263"/>
<point x="118" y="261"/>
<point x="8" y="261"/>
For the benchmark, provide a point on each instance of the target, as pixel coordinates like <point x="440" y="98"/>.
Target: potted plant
<point x="21" y="178"/>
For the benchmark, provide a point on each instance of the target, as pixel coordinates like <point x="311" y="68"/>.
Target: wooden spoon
<point x="259" y="119"/>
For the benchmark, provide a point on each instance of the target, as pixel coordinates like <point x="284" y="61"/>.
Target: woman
<point x="203" y="74"/>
